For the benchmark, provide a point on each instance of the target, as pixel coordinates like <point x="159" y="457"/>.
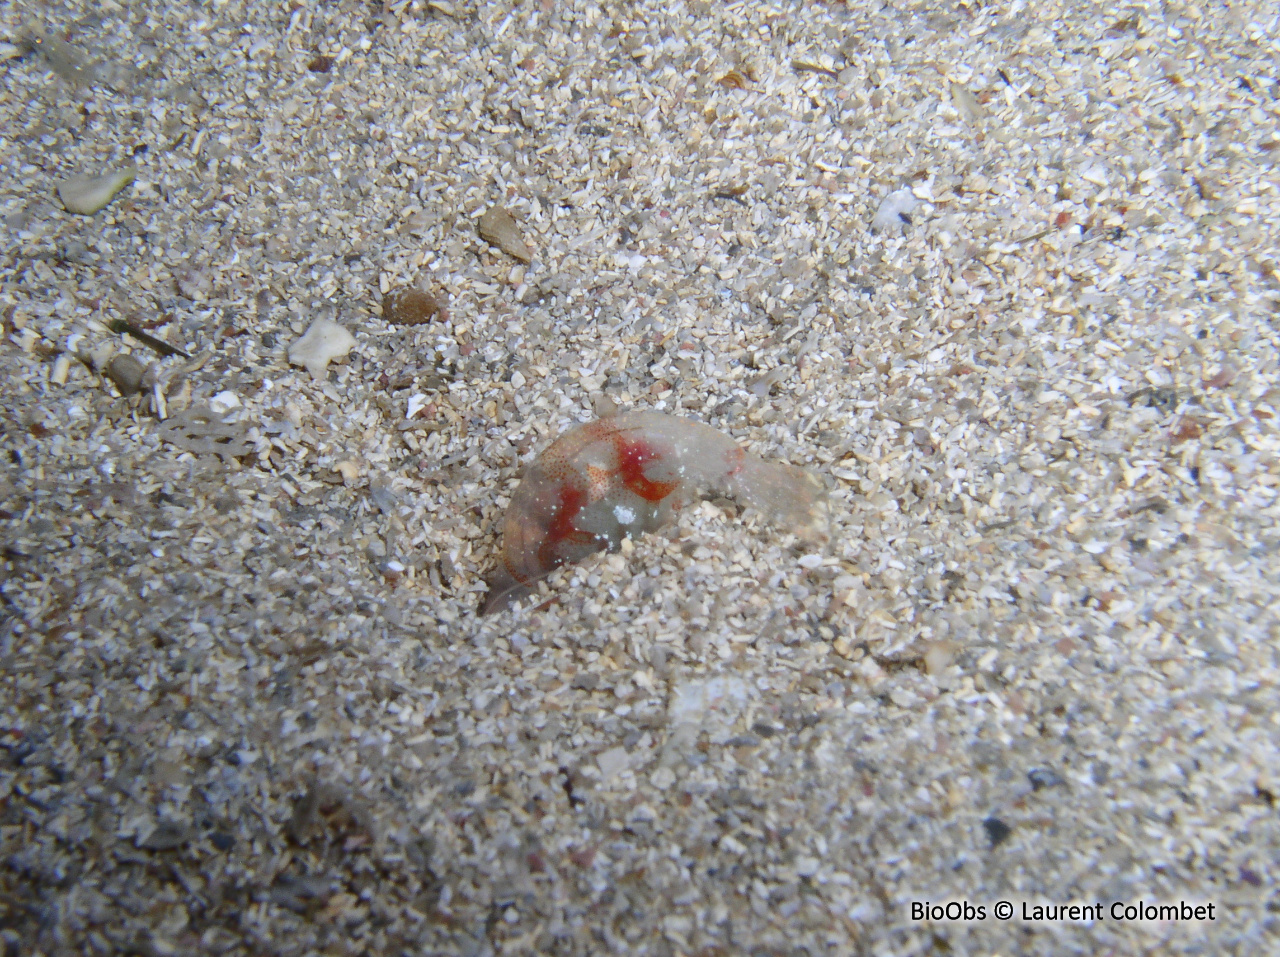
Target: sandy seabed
<point x="1002" y="276"/>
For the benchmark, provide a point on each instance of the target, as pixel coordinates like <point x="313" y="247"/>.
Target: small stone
<point x="612" y="762"/>
<point x="662" y="778"/>
<point x="1095" y="173"/>
<point x="224" y="402"/>
<point x="417" y="403"/>
<point x="895" y="211"/>
<point x="323" y="342"/>
<point x="1041" y="778"/>
<point x="967" y="104"/>
<point x="88" y="194"/>
<point x="393" y="571"/>
<point x="126" y="372"/>
<point x="77" y="252"/>
<point x="410" y="307"/>
<point x="1187" y="429"/>
<point x="938" y="656"/>
<point x="221" y="841"/>
<point x="499" y="228"/>
<point x="602" y="404"/>
<point x="167" y="836"/>
<point x="997" y="831"/>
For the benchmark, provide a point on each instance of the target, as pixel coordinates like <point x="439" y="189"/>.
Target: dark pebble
<point x="1043" y="778"/>
<point x="997" y="831"/>
<point x="223" y="842"/>
<point x="126" y="372"/>
<point x="165" y="837"/>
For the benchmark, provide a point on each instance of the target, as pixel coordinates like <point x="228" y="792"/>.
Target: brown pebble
<point x="126" y="372"/>
<point x="499" y="228"/>
<point x="321" y="64"/>
<point x="410" y="307"/>
<point x="1188" y="428"/>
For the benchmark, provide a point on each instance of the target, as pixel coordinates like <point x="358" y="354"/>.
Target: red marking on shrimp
<point x="632" y="458"/>
<point x="561" y="528"/>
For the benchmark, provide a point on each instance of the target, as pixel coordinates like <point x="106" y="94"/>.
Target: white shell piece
<point x="323" y="342"/>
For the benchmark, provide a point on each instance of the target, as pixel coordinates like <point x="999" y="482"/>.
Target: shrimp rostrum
<point x="626" y="474"/>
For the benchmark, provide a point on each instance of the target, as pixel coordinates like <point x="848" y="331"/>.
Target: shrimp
<point x="626" y="474"/>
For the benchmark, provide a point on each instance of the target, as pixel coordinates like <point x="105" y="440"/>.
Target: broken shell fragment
<point x="410" y="307"/>
<point x="967" y="104"/>
<point x="126" y="372"/>
<point x="323" y="342"/>
<point x="88" y="194"/>
<point x="499" y="228"/>
<point x="224" y="402"/>
<point x="895" y="211"/>
<point x="938" y="656"/>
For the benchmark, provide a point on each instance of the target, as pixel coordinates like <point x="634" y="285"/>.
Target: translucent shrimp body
<point x="626" y="474"/>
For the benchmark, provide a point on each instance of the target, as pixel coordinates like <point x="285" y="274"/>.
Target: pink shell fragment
<point x="626" y="474"/>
